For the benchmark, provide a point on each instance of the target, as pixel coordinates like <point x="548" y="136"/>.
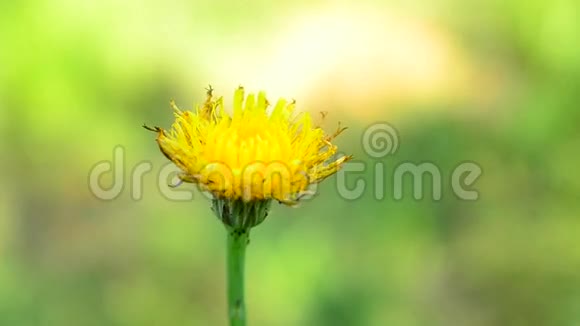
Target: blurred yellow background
<point x="493" y="82"/>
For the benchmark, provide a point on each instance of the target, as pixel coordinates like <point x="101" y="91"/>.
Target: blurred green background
<point x="494" y="82"/>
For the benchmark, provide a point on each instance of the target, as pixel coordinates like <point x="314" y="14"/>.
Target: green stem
<point x="236" y="243"/>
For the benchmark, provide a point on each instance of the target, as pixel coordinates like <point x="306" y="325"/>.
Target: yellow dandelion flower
<point x="253" y="155"/>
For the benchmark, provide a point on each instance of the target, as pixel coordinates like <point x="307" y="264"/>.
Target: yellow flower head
<point x="255" y="154"/>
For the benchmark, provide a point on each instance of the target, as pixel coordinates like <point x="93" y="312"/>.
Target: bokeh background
<point x="493" y="82"/>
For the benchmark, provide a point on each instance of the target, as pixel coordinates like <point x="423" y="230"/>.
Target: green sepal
<point x="239" y="214"/>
